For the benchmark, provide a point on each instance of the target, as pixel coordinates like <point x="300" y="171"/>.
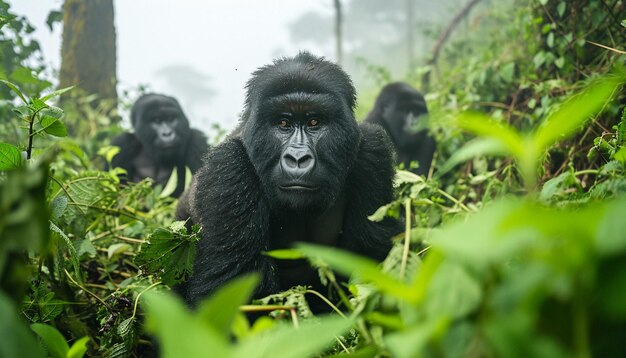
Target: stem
<point x="87" y="291"/>
<point x="327" y="302"/>
<point x="139" y="295"/>
<point x="454" y="200"/>
<point x="586" y="171"/>
<point x="31" y="124"/>
<point x="407" y="236"/>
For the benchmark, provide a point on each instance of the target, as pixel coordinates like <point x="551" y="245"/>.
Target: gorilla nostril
<point x="290" y="161"/>
<point x="305" y="162"/>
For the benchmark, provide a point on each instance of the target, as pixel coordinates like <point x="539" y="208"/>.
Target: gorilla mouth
<point x="298" y="187"/>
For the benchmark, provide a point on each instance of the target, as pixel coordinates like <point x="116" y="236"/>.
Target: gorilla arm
<point x="226" y="200"/>
<point x="370" y="186"/>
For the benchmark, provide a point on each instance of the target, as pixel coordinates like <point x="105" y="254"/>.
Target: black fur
<point x="244" y="197"/>
<point x="142" y="154"/>
<point x="397" y="108"/>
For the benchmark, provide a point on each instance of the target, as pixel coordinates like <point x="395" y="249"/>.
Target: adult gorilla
<point x="162" y="141"/>
<point x="297" y="168"/>
<point x="399" y="108"/>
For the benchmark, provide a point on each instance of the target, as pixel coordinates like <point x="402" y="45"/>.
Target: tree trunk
<point x="410" y="34"/>
<point x="338" y="33"/>
<point x="88" y="54"/>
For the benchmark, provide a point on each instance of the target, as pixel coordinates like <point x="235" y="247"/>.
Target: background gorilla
<point x="297" y="168"/>
<point x="162" y="140"/>
<point x="398" y="109"/>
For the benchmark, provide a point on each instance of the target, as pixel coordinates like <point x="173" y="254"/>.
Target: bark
<point x="88" y="54"/>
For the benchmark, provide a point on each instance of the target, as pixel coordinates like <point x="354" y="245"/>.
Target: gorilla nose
<point x="297" y="160"/>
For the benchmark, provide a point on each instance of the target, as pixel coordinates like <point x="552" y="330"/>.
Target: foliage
<point x="513" y="247"/>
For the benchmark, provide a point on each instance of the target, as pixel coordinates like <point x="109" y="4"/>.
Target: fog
<point x="201" y="52"/>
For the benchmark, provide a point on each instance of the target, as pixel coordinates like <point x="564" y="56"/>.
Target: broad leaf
<point x="220" y="310"/>
<point x="286" y="341"/>
<point x="485" y="126"/>
<point x="10" y="157"/>
<point x="475" y="148"/>
<point x="78" y="349"/>
<point x="179" y="333"/>
<point x="574" y="112"/>
<point x="16" y="90"/>
<point x="53" y="126"/>
<point x="52" y="339"/>
<point x="366" y="269"/>
<point x="56" y="93"/>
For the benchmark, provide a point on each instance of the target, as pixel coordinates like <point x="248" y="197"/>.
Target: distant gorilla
<point x="162" y="141"/>
<point x="398" y="109"/>
<point x="297" y="168"/>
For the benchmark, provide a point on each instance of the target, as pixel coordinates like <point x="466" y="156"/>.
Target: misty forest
<point x="398" y="178"/>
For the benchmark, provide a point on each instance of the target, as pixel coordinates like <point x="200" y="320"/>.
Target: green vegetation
<point x="515" y="246"/>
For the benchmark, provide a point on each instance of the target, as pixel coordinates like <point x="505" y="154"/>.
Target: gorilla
<point x="298" y="167"/>
<point x="162" y="141"/>
<point x="398" y="109"/>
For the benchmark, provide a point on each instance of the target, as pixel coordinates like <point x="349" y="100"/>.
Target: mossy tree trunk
<point x="88" y="54"/>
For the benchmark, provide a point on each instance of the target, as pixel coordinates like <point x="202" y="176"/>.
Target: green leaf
<point x="561" y="8"/>
<point x="620" y="155"/>
<point x="557" y="185"/>
<point x="550" y="40"/>
<point x="171" y="184"/>
<point x="125" y="327"/>
<point x="53" y="126"/>
<point x="452" y="293"/>
<point x="486" y="126"/>
<point x="507" y="72"/>
<point x="54" y="16"/>
<point x="576" y="110"/>
<point x="473" y="149"/>
<point x="10" y="157"/>
<point x="52" y="111"/>
<point x="610" y="237"/>
<point x="411" y="342"/>
<point x="560" y="62"/>
<point x="406" y="177"/>
<point x="308" y="340"/>
<point x="220" y="309"/>
<point x="37" y="104"/>
<point x="285" y="254"/>
<point x="52" y="339"/>
<point x="179" y="333"/>
<point x="380" y="213"/>
<point x="58" y="206"/>
<point x="56" y="93"/>
<point x="169" y="253"/>
<point x="364" y="268"/>
<point x="78" y="349"/>
<point x="188" y="177"/>
<point x="17" y="339"/>
<point x="16" y="90"/>
<point x="117" y="249"/>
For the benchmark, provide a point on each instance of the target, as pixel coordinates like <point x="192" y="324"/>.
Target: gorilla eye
<point x="313" y="122"/>
<point x="283" y="123"/>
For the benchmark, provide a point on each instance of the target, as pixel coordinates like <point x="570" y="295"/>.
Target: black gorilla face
<point x="160" y="125"/>
<point x="300" y="133"/>
<point x="403" y="112"/>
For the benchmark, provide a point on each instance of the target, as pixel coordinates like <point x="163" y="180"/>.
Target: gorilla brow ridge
<point x="320" y="103"/>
